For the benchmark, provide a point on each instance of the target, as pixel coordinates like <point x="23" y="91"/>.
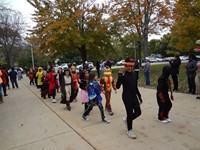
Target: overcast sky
<point x="26" y="9"/>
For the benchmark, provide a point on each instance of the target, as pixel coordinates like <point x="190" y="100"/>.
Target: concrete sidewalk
<point x="29" y="122"/>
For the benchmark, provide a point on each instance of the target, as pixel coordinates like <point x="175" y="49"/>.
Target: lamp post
<point x="32" y="56"/>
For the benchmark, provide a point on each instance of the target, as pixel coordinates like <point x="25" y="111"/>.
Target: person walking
<point x="107" y="82"/>
<point x="131" y="95"/>
<point x="52" y="83"/>
<point x="13" y="78"/>
<point x="191" y="73"/>
<point x="175" y="65"/>
<point x="95" y="99"/>
<point x="31" y="76"/>
<point x="163" y="98"/>
<point x="39" y="75"/>
<point x="1" y="95"/>
<point x="4" y="79"/>
<point x="83" y="84"/>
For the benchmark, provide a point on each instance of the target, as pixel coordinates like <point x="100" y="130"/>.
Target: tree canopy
<point x="186" y="28"/>
<point x="65" y="26"/>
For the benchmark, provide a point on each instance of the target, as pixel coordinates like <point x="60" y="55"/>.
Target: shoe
<point x="75" y="100"/>
<point x="69" y="108"/>
<point x="105" y="120"/>
<point x="168" y="120"/>
<point x="131" y="134"/>
<point x="5" y="94"/>
<point x="1" y="101"/>
<point x="53" y="101"/>
<point x="198" y="97"/>
<point x="124" y="121"/>
<point x="163" y="121"/>
<point x="111" y="113"/>
<point x="85" y="117"/>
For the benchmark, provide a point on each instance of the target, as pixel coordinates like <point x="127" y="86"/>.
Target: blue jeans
<point x="1" y="91"/>
<point x="147" y="79"/>
<point x="14" y="83"/>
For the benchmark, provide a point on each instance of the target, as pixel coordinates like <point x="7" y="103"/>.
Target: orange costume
<point x="106" y="82"/>
<point x="75" y="81"/>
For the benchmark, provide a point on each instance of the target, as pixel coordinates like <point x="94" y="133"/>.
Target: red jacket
<point x="4" y="76"/>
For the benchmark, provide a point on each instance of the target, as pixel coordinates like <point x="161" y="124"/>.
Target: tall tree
<point x="63" y="26"/>
<point x="186" y="28"/>
<point x="11" y="26"/>
<point x="143" y="17"/>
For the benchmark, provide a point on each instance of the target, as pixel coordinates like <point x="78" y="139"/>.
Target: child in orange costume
<point x="106" y="81"/>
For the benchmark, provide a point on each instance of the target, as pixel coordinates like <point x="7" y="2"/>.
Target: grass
<point x="155" y="72"/>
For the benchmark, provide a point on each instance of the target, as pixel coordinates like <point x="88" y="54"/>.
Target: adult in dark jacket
<point x="175" y="64"/>
<point x="131" y="95"/>
<point x="13" y="77"/>
<point x="191" y="73"/>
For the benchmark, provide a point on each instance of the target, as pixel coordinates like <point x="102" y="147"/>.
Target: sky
<point x="26" y="9"/>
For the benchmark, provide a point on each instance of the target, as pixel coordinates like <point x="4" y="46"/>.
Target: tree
<point x="186" y="27"/>
<point x="65" y="26"/>
<point x="142" y="17"/>
<point x="11" y="26"/>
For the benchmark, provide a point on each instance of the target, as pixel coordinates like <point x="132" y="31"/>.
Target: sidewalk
<point x="31" y="123"/>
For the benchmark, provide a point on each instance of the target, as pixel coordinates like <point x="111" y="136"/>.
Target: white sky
<point x="26" y="9"/>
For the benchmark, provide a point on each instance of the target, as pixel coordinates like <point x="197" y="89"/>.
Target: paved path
<point x="31" y="123"/>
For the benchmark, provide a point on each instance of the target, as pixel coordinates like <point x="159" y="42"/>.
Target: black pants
<point x="93" y="103"/>
<point x="192" y="85"/>
<point x="164" y="107"/>
<point x="4" y="89"/>
<point x="175" y="81"/>
<point x="133" y="111"/>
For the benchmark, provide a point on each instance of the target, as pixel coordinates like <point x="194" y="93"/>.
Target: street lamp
<point x="32" y="56"/>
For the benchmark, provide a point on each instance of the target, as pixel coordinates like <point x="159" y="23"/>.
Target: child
<point x="164" y="102"/>
<point x="95" y="98"/>
<point x="52" y="83"/>
<point x="75" y="80"/>
<point x="45" y="85"/>
<point x="107" y="82"/>
<point x="130" y="94"/>
<point x="66" y="86"/>
<point x="83" y="86"/>
<point x="31" y="76"/>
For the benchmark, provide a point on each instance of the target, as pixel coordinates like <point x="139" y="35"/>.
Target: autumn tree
<point x="143" y="17"/>
<point x="186" y="28"/>
<point x="11" y="26"/>
<point x="66" y="26"/>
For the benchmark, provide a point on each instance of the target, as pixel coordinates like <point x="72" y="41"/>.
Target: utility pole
<point x="32" y="57"/>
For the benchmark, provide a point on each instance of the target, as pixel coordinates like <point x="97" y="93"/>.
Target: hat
<point x="40" y="68"/>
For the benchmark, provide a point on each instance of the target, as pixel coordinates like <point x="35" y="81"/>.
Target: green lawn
<point x="155" y="72"/>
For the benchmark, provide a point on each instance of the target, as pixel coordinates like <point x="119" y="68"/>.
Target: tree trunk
<point x="146" y="29"/>
<point x="83" y="51"/>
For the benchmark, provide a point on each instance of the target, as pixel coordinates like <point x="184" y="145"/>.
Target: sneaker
<point x="85" y="117"/>
<point x="124" y="121"/>
<point x="111" y="113"/>
<point x="53" y="101"/>
<point x="75" y="100"/>
<point x="105" y="120"/>
<point x="163" y="121"/>
<point x="131" y="134"/>
<point x="168" y="120"/>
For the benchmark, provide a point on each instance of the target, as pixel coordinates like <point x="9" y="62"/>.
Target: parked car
<point x="120" y="63"/>
<point x="90" y="65"/>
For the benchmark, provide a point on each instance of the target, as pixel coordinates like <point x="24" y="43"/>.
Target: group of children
<point x="90" y="91"/>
